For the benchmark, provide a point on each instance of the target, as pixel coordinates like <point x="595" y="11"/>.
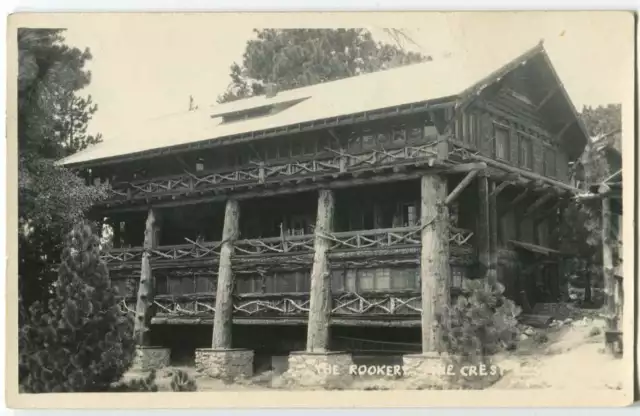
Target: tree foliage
<point x="581" y="226"/>
<point x="292" y="58"/>
<point x="52" y="123"/>
<point x="480" y="322"/>
<point x="81" y="342"/>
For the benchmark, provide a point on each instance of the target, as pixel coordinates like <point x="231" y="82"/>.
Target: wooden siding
<point x="476" y="127"/>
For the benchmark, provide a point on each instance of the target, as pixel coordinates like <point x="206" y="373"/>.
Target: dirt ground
<point x="568" y="356"/>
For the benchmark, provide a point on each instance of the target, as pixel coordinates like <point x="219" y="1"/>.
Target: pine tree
<point x="82" y="342"/>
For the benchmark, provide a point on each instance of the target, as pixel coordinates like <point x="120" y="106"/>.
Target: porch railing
<point x="259" y="172"/>
<point x="288" y="304"/>
<point x="384" y="238"/>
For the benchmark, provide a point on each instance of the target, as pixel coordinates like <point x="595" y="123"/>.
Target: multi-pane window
<point x="526" y="152"/>
<point x="501" y="136"/>
<point x="374" y="279"/>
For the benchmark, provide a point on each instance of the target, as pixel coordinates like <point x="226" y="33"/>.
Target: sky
<point x="147" y="65"/>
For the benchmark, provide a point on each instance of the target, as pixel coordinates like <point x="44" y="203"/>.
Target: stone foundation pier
<point x="151" y="358"/>
<point x="226" y="364"/>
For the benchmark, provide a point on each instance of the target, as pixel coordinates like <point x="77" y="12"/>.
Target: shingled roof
<point x="446" y="79"/>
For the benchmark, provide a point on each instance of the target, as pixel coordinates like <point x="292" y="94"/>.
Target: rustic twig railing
<point x="377" y="304"/>
<point x="384" y="238"/>
<point x="291" y="304"/>
<point x="258" y="173"/>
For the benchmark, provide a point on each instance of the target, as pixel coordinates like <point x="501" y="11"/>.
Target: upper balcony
<point x="343" y="244"/>
<point x="329" y="164"/>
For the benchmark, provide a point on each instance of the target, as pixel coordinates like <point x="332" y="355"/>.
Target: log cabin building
<point x="358" y="205"/>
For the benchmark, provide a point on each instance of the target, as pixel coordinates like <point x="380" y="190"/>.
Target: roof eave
<point x="426" y="105"/>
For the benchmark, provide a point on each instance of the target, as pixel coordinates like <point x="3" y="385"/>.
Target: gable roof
<point x="447" y="79"/>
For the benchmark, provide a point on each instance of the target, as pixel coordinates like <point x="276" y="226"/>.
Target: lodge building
<point x="361" y="203"/>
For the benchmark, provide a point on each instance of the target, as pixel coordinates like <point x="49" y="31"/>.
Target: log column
<point x="435" y="283"/>
<point x="434" y="258"/>
<point x="492" y="274"/>
<point x="221" y="360"/>
<point x="147" y="356"/>
<point x="320" y="296"/>
<point x="483" y="236"/>
<point x="315" y="366"/>
<point x="612" y="337"/>
<point x="222" y="320"/>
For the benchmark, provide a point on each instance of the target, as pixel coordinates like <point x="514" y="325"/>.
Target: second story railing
<point x="376" y="239"/>
<point x="338" y="162"/>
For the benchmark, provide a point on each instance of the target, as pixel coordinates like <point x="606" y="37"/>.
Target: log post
<point x="482" y="226"/>
<point x="607" y="266"/>
<point x="492" y="275"/>
<point x="320" y="296"/>
<point x="146" y="286"/>
<point x="434" y="258"/>
<point x="222" y="320"/>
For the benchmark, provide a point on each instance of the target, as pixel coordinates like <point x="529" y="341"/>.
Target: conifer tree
<point x="81" y="342"/>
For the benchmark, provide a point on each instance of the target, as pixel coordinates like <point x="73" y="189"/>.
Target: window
<point x="405" y="278"/>
<point x="414" y="134"/>
<point x="300" y="225"/>
<point x="526" y="152"/>
<point x="384" y="138"/>
<point x="458" y="274"/>
<point x="374" y="279"/>
<point x="399" y="134"/>
<point x="408" y="214"/>
<point x="501" y="141"/>
<point x="368" y="139"/>
<point x="550" y="162"/>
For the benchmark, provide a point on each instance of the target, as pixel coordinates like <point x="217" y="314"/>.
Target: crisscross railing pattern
<point x="377" y="304"/>
<point x="258" y="173"/>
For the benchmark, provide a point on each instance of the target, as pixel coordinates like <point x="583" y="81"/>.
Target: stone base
<point x="226" y="364"/>
<point x="426" y="371"/>
<point x="322" y="369"/>
<point x="151" y="358"/>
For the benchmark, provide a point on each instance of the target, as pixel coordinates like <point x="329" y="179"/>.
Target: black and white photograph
<point x="288" y="203"/>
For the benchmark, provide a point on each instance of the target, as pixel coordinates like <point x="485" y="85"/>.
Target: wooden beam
<point x="524" y="173"/>
<point x="538" y="203"/>
<point x="434" y="259"/>
<point x="496" y="191"/>
<point x="564" y="129"/>
<point x="145" y="288"/>
<point x="546" y="98"/>
<point x="320" y="292"/>
<point x="222" y="320"/>
<point x="518" y="199"/>
<point x="492" y="274"/>
<point x="461" y="187"/>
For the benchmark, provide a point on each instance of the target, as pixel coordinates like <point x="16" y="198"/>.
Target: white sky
<point x="145" y="66"/>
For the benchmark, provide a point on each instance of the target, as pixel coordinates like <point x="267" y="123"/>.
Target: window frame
<point x="525" y="142"/>
<point x="506" y="147"/>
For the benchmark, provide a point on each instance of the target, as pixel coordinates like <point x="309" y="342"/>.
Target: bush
<point x="138" y="385"/>
<point x="181" y="381"/>
<point x="81" y="342"/>
<point x="480" y="323"/>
